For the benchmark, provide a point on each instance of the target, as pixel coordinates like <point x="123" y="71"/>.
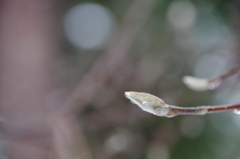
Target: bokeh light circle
<point x="88" y="26"/>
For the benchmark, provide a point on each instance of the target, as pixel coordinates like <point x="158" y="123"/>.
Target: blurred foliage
<point x="161" y="54"/>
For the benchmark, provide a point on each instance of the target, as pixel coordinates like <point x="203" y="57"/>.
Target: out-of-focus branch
<point x="68" y="140"/>
<point x="111" y="117"/>
<point x="28" y="135"/>
<point x="227" y="74"/>
<point x="134" y="19"/>
<point x="27" y="45"/>
<point x="201" y="84"/>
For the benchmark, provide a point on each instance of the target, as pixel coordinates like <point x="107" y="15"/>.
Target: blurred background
<point x="65" y="66"/>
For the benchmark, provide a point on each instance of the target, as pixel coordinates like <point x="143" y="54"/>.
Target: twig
<point x="201" y="84"/>
<point x="224" y="76"/>
<point x="156" y="106"/>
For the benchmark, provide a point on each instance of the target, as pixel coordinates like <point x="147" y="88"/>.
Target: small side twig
<point x="201" y="84"/>
<point x="227" y="74"/>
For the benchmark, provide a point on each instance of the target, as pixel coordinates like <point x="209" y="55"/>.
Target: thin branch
<point x="224" y="76"/>
<point x="201" y="84"/>
<point x="202" y="110"/>
<point x="157" y="106"/>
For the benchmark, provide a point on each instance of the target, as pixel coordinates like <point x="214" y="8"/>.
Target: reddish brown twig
<point x="224" y="76"/>
<point x="202" y="110"/>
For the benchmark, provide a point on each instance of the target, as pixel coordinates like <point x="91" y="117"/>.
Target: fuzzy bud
<point x="148" y="103"/>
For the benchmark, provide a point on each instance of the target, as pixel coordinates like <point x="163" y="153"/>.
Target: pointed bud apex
<point x="148" y="103"/>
